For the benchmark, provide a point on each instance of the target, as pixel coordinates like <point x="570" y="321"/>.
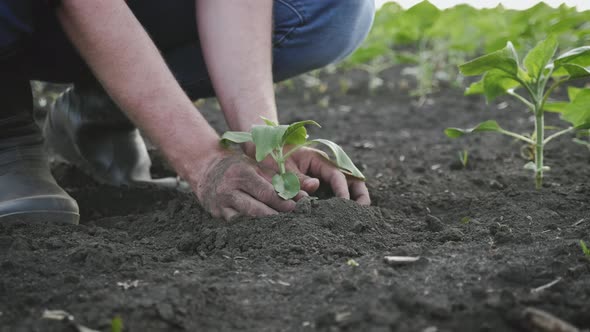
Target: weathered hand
<point x="233" y="184"/>
<point x="312" y="166"/>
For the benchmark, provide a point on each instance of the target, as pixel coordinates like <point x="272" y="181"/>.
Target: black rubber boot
<point x="28" y="191"/>
<point x="87" y="129"/>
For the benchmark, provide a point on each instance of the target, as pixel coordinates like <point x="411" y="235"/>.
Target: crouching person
<point x="138" y="64"/>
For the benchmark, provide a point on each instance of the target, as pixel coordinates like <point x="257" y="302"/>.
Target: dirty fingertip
<point x="300" y="195"/>
<point x="364" y="200"/>
<point x="310" y="184"/>
<point x="228" y="214"/>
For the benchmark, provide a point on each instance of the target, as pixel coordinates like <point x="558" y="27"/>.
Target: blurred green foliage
<point x="435" y="41"/>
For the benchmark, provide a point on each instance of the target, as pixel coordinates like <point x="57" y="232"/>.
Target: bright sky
<point x="513" y="4"/>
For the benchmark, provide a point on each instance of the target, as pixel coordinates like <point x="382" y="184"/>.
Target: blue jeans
<point x="307" y="34"/>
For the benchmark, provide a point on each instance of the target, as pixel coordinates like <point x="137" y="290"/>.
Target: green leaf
<point x="540" y="56"/>
<point x="269" y="122"/>
<point x="489" y="125"/>
<point x="236" y="137"/>
<point x="579" y="56"/>
<point x="296" y="134"/>
<point x="475" y="88"/>
<point x="342" y="160"/>
<point x="572" y="92"/>
<point x="555" y="106"/>
<point x="497" y="83"/>
<point x="267" y="139"/>
<point x="287" y="185"/>
<point x="577" y="112"/>
<point x="505" y="60"/>
<point x="575" y="71"/>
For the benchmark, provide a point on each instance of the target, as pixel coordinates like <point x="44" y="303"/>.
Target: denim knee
<point x="329" y="31"/>
<point x="345" y="30"/>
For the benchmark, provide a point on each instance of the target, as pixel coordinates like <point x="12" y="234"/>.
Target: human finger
<point x="228" y="213"/>
<point x="247" y="205"/>
<point x="327" y="172"/>
<point x="359" y="192"/>
<point x="300" y="195"/>
<point x="308" y="184"/>
<point x="261" y="190"/>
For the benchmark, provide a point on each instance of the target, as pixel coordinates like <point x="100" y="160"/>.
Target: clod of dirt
<point x="304" y="205"/>
<point x="495" y="184"/>
<point x="451" y="234"/>
<point x="328" y="231"/>
<point x="433" y="223"/>
<point x="501" y="233"/>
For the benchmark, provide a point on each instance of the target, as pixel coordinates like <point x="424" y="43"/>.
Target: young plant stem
<point x="539" y="98"/>
<point x="539" y="128"/>
<point x="523" y="99"/>
<point x="557" y="134"/>
<point x="517" y="136"/>
<point x="280" y="159"/>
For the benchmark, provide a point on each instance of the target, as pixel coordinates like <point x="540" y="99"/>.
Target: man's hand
<point x="312" y="166"/>
<point x="233" y="184"/>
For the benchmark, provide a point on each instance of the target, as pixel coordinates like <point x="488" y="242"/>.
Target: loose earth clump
<point x="490" y="245"/>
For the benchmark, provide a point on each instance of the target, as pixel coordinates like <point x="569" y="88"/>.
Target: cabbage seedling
<point x="538" y="75"/>
<point x="272" y="139"/>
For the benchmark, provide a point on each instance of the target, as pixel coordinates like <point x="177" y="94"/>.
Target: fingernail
<point x="308" y="181"/>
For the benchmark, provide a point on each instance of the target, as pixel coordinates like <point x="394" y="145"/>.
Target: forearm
<point x="129" y="66"/>
<point x="236" y="41"/>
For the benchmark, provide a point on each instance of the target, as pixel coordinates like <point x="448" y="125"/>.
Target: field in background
<point x="521" y="4"/>
<point x="432" y="42"/>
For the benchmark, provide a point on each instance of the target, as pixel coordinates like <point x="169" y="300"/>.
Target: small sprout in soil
<point x="464" y="157"/>
<point x="585" y="249"/>
<point x="279" y="142"/>
<point x="465" y="220"/>
<point x="117" y="324"/>
<point x="539" y="74"/>
<point x="352" y="262"/>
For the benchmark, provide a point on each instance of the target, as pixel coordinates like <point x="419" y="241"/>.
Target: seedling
<point x="117" y="324"/>
<point x="585" y="249"/>
<point x="352" y="262"/>
<point x="464" y="157"/>
<point x="280" y="142"/>
<point x="539" y="74"/>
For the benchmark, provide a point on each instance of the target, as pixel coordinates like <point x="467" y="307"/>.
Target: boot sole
<point x="40" y="209"/>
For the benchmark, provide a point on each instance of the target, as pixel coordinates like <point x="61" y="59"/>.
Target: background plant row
<point x="433" y="41"/>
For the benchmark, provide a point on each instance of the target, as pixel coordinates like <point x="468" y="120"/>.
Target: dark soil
<point x="485" y="236"/>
